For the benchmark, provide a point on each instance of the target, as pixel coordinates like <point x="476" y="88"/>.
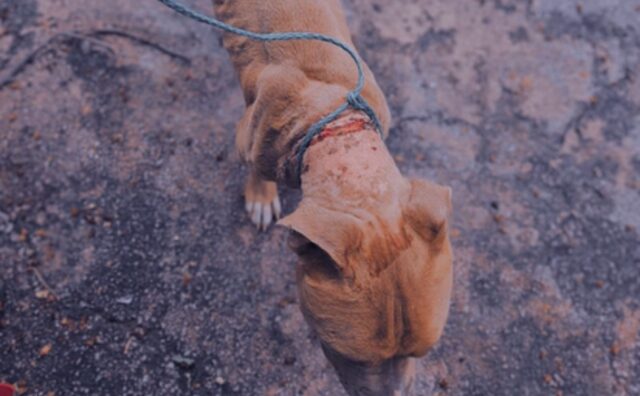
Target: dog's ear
<point x="321" y="234"/>
<point x="428" y="209"/>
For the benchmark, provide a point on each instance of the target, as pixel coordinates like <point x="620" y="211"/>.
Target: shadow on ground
<point x="128" y="265"/>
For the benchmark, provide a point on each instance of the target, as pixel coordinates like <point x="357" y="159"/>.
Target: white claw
<point x="256" y="216"/>
<point x="248" y="206"/>
<point x="277" y="208"/>
<point x="266" y="216"/>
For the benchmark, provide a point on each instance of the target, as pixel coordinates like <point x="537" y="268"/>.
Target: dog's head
<point x="375" y="283"/>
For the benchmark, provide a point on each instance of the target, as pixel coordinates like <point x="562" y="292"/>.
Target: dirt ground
<point x="128" y="266"/>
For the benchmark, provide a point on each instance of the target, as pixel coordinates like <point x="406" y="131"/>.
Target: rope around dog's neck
<point x="354" y="98"/>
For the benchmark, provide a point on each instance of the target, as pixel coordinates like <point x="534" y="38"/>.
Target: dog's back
<point x="287" y="16"/>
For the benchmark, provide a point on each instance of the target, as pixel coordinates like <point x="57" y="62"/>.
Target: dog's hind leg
<point x="261" y="200"/>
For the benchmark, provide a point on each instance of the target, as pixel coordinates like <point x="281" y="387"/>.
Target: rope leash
<point x="354" y="98"/>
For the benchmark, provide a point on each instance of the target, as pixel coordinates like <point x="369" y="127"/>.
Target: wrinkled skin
<point x="375" y="262"/>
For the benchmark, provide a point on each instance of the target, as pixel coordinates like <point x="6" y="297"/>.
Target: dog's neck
<point x="352" y="170"/>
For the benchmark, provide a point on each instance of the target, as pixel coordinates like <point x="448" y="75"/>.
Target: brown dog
<point x="375" y="259"/>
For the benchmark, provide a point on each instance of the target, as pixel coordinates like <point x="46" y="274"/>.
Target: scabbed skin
<point x="135" y="149"/>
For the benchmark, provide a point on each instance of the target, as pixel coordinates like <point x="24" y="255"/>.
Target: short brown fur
<point x="375" y="269"/>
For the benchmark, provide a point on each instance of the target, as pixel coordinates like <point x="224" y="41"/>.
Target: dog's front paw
<point x="261" y="201"/>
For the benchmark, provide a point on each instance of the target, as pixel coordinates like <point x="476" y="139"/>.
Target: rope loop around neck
<point x="354" y="98"/>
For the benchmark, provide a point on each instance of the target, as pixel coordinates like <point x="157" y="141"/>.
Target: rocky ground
<point x="128" y="266"/>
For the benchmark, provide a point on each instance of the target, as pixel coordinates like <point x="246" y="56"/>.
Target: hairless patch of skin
<point x="354" y="169"/>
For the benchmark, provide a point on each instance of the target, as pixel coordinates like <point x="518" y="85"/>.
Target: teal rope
<point x="354" y="98"/>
